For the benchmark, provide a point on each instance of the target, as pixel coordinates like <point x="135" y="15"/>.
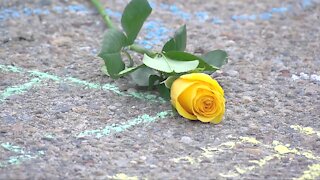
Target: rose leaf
<point x="216" y="58"/>
<point x="141" y="75"/>
<point x="113" y="41"/>
<point x="178" y="42"/>
<point x="167" y="65"/>
<point x="134" y="15"/>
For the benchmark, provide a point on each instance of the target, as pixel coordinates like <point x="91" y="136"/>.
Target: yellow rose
<point x="198" y="96"/>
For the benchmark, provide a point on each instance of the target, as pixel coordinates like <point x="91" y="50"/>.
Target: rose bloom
<point x="197" y="96"/>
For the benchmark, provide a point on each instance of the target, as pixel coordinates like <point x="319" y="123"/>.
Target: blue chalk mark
<point x="262" y="16"/>
<point x="156" y="33"/>
<point x="279" y="10"/>
<point x="244" y="17"/>
<point x="15" y="13"/>
<point x="112" y="13"/>
<point x="306" y="3"/>
<point x="153" y="5"/>
<point x="40" y="12"/>
<point x="8" y="13"/>
<point x="58" y="9"/>
<point x="27" y="11"/>
<point x="217" y="21"/>
<point x="77" y="8"/>
<point x="265" y="16"/>
<point x="30" y="12"/>
<point x="176" y="11"/>
<point x="202" y="16"/>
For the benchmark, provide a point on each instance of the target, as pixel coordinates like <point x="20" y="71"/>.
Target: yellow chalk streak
<point x="312" y="173"/>
<point x="122" y="176"/>
<point x="284" y="149"/>
<point x="249" y="140"/>
<point x="281" y="149"/>
<point x="188" y="159"/>
<point x="305" y="130"/>
<point x="228" y="145"/>
<point x="229" y="175"/>
<point x="262" y="162"/>
<point x="309" y="155"/>
<point x="208" y="153"/>
<point x="243" y="170"/>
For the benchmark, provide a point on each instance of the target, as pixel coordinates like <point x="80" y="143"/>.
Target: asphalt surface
<point x="61" y="118"/>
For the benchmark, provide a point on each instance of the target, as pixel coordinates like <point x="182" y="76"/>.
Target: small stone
<point x="230" y="43"/>
<point x="9" y="119"/>
<point x="315" y="78"/>
<point x="304" y="76"/>
<point x="63" y="87"/>
<point x="112" y="108"/>
<point x="232" y="73"/>
<point x="94" y="106"/>
<point x="118" y="104"/>
<point x="87" y="157"/>
<point x="143" y="158"/>
<point x="253" y="126"/>
<point x="63" y="108"/>
<point x="25" y="117"/>
<point x="61" y="41"/>
<point x="254" y="151"/>
<point x="131" y="90"/>
<point x="59" y="116"/>
<point x="261" y="113"/>
<point x="99" y="173"/>
<point x="294" y="77"/>
<point x="254" y="108"/>
<point x="186" y="140"/>
<point x="133" y="162"/>
<point x="310" y="90"/>
<point x="238" y="110"/>
<point x="39" y="111"/>
<point x="122" y="162"/>
<point x="4" y="82"/>
<point x="152" y="166"/>
<point x="246" y="99"/>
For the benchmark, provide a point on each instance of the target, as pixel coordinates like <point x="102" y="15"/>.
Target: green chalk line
<point x="116" y="128"/>
<point x="19" y="89"/>
<point x="10" y="147"/>
<point x="43" y="75"/>
<point x="105" y="87"/>
<point x="18" y="159"/>
<point x="9" y="68"/>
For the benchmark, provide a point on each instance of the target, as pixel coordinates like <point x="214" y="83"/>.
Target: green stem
<point x="107" y="20"/>
<point x="141" y="50"/>
<point x="131" y="63"/>
<point x="102" y="12"/>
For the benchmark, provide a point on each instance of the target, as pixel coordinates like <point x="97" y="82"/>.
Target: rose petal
<point x="184" y="113"/>
<point x="219" y="118"/>
<point x="178" y="87"/>
<point x="187" y="96"/>
<point x="204" y="78"/>
<point x="215" y="116"/>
